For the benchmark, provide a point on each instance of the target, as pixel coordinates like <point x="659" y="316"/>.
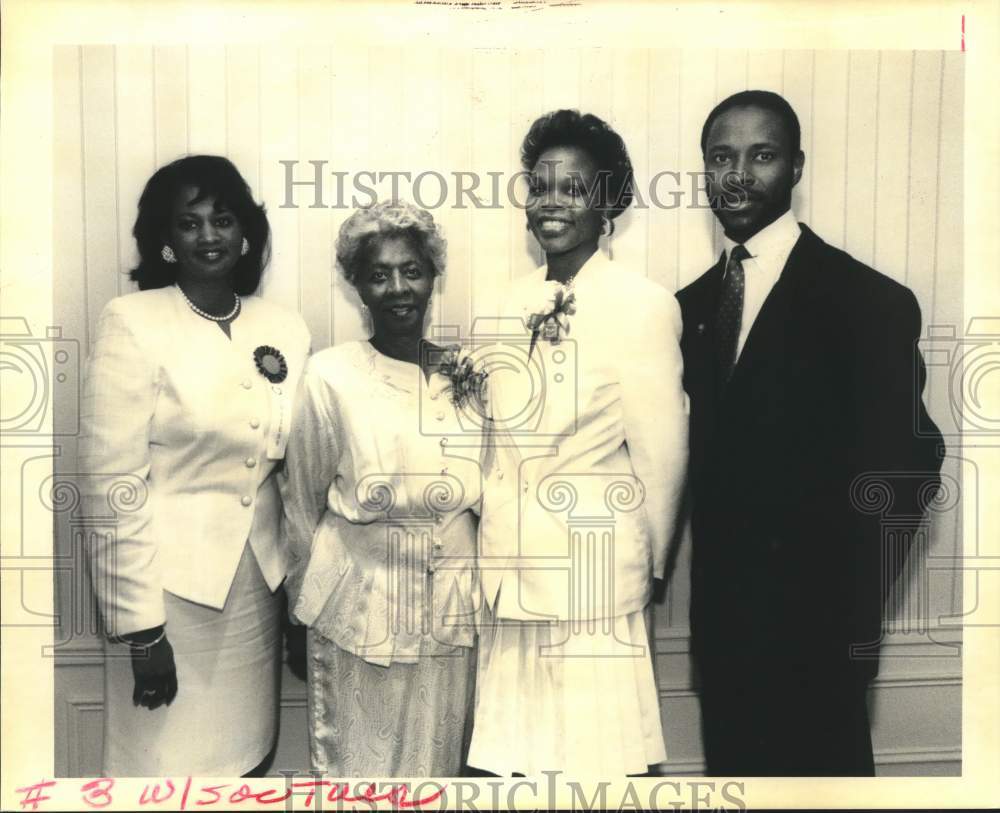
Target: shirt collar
<point x="402" y="375"/>
<point x="775" y="238"/>
<point x="596" y="261"/>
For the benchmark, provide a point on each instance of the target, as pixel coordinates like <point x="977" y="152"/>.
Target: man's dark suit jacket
<point x="786" y="570"/>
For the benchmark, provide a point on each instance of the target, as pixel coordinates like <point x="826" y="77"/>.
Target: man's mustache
<point x="733" y="189"/>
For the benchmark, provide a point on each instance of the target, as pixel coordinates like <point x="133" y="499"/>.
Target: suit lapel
<point x="765" y="344"/>
<point x="700" y="362"/>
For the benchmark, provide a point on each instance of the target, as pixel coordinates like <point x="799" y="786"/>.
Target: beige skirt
<point x="224" y="719"/>
<point x="400" y="720"/>
<point x="551" y="697"/>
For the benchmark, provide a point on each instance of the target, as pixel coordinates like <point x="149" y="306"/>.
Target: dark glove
<point x="153" y="668"/>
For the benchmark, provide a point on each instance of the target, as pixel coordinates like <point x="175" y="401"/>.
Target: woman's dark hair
<point x="214" y="177"/>
<point x="568" y="128"/>
<point x="763" y="100"/>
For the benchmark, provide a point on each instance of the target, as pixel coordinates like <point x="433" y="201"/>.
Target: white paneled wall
<point x="882" y="133"/>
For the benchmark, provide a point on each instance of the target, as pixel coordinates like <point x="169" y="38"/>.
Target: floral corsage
<point x="468" y="380"/>
<point x="270" y="363"/>
<point x="550" y="318"/>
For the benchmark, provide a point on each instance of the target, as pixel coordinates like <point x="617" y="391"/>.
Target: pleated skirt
<point x="401" y="720"/>
<point x="224" y="719"/>
<point x="582" y="701"/>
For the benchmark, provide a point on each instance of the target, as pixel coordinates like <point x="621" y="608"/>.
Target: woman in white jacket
<point x="590" y="439"/>
<point x="380" y="519"/>
<point x="188" y="402"/>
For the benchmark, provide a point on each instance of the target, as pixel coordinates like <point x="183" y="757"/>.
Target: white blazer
<point x="590" y="450"/>
<point x="180" y="434"/>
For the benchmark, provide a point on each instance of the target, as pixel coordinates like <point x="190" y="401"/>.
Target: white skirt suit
<point x="180" y="438"/>
<point x="380" y="496"/>
<point x="578" y="509"/>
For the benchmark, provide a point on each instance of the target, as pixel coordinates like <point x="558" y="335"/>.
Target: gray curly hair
<point x="361" y="231"/>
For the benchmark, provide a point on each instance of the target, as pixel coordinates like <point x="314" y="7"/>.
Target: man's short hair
<point x="765" y="100"/>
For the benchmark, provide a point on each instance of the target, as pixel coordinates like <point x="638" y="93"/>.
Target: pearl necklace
<point x="205" y="315"/>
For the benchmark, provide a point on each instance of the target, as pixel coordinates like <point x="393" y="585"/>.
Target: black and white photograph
<point x="419" y="415"/>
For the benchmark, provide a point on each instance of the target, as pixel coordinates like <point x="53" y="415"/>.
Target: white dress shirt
<point x="769" y="249"/>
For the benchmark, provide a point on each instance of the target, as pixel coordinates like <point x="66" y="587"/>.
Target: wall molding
<point x="885" y="757"/>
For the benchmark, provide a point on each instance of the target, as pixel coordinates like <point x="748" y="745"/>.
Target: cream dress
<point x="380" y="487"/>
<point x="579" y="504"/>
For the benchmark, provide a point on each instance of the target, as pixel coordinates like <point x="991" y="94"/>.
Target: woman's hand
<point x="155" y="674"/>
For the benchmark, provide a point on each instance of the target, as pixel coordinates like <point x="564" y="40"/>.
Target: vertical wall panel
<point x="69" y="279"/>
<point x="862" y="134"/>
<point x="730" y="72"/>
<point x="630" y="243"/>
<point x="69" y="217"/>
<point x="922" y="171"/>
<point x="525" y="106"/>
<point x="766" y="70"/>
<point x="100" y="183"/>
<point x="170" y="67"/>
<point x="457" y="136"/>
<point x="385" y="115"/>
<point x="491" y="148"/>
<point x="243" y="114"/>
<point x="279" y="140"/>
<point x="797" y="87"/>
<point x="349" y="154"/>
<point x="135" y="126"/>
<point x="665" y="192"/>
<point x="561" y="79"/>
<point x="597" y="75"/>
<point x="946" y="295"/>
<point x="315" y="233"/>
<point x="892" y="163"/>
<point x="826" y="163"/>
<point x="695" y="249"/>
<point x="945" y="306"/>
<point x="206" y="99"/>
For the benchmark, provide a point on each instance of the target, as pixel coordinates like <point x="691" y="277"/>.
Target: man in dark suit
<point x="804" y="378"/>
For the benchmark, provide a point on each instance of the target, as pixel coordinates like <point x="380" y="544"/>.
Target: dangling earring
<point x="366" y="314"/>
<point x="245" y="248"/>
<point x="607" y="229"/>
<point x="168" y="254"/>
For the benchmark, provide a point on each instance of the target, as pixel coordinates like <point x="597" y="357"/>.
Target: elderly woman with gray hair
<point x="379" y="517"/>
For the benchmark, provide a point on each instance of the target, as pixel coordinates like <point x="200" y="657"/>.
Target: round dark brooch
<point x="270" y="363"/>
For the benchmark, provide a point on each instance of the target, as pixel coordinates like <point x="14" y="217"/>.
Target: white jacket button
<point x="254" y="423"/>
<point x="251" y="462"/>
<point x="246" y="500"/>
<point x="247" y="383"/>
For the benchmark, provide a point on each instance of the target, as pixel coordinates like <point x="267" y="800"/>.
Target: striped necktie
<point x="729" y="317"/>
